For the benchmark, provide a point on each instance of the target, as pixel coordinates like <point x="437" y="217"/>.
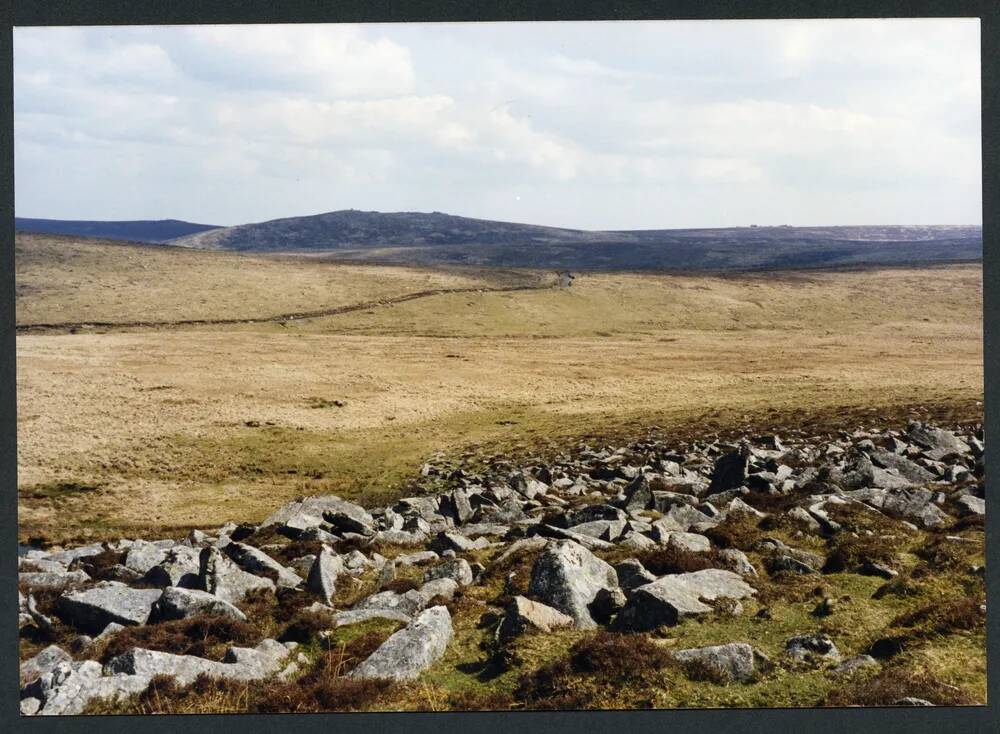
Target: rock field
<point x="587" y="521"/>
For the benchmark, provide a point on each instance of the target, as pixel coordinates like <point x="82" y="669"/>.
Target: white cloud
<point x="596" y="124"/>
<point x="328" y="59"/>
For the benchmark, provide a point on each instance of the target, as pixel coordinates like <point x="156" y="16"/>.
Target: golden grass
<point x="177" y="428"/>
<point x="66" y="279"/>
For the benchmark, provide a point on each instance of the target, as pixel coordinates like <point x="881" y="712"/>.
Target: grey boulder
<point x="178" y="566"/>
<point x="567" y="577"/>
<point x="411" y="650"/>
<point x="240" y="663"/>
<point x="457" y="569"/>
<point x="732" y="662"/>
<point x="678" y="596"/>
<point x="220" y="576"/>
<point x="178" y="603"/>
<point x="255" y="561"/>
<point x="69" y="687"/>
<point x="44" y="661"/>
<point x="323" y="573"/>
<point x="110" y="601"/>
<point x="810" y="648"/>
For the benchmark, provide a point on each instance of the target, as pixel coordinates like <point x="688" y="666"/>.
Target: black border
<point x="746" y="721"/>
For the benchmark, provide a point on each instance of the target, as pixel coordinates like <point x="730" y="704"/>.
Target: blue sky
<point x="611" y="125"/>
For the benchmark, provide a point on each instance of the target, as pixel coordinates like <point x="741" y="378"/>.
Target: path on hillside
<point x="295" y="316"/>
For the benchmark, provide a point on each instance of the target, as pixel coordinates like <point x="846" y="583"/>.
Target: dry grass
<point x="62" y="279"/>
<point x="202" y="636"/>
<point x="893" y="684"/>
<point x="182" y="428"/>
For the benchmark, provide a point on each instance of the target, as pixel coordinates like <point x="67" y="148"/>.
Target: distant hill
<point x="159" y="231"/>
<point x="350" y="228"/>
<point x="441" y="239"/>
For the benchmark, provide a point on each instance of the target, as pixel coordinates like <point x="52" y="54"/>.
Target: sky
<point x="599" y="125"/>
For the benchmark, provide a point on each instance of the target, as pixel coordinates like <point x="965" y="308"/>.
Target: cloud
<point x="338" y="60"/>
<point x="595" y="124"/>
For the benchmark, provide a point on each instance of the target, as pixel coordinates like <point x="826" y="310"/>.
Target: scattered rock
<point x="179" y="566"/>
<point x="35" y="667"/>
<point x="851" y="665"/>
<point x="220" y="576"/>
<point x="240" y="663"/>
<point x="632" y="574"/>
<point x="458" y="570"/>
<point x="255" y="561"/>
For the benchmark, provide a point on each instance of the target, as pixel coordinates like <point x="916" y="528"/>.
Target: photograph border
<point x="746" y="721"/>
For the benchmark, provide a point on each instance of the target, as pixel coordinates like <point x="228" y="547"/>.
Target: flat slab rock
<point x="356" y="616"/>
<point x="110" y="601"/>
<point x="240" y="663"/>
<point x="677" y="596"/>
<point x="523" y="614"/>
<point x="411" y="650"/>
<point x="53" y="580"/>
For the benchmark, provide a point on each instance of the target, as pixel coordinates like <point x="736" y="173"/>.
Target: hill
<point x="441" y="239"/>
<point x="158" y="231"/>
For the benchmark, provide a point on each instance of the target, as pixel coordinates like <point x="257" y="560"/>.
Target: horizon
<point x="607" y="126"/>
<point x="752" y="225"/>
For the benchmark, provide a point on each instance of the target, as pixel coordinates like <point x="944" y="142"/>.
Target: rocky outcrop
<point x="533" y="535"/>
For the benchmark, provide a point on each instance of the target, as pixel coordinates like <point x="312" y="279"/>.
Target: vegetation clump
<point x="892" y="686"/>
<point x="202" y="635"/>
<point x="603" y="659"/>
